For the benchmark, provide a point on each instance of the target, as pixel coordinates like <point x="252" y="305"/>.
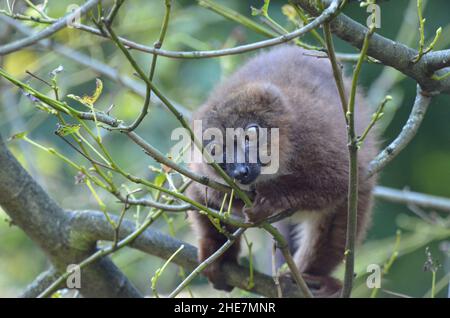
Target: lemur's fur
<point x="287" y="89"/>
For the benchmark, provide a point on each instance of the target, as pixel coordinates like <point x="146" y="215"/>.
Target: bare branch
<point x="30" y="208"/>
<point x="157" y="155"/>
<point x="389" y="52"/>
<point x="75" y="237"/>
<point x="326" y="15"/>
<point x="408" y="132"/>
<point x="93" y="64"/>
<point x="409" y="197"/>
<point x="154" y="204"/>
<point x="157" y="45"/>
<point x="40" y="283"/>
<point x="115" y="123"/>
<point x="101" y="253"/>
<point x="207" y="262"/>
<point x="438" y="60"/>
<point x="49" y="31"/>
<point x="92" y="226"/>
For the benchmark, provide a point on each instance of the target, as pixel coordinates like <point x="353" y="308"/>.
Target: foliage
<point x="83" y="163"/>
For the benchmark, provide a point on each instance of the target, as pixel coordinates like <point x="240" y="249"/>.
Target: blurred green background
<point x="424" y="166"/>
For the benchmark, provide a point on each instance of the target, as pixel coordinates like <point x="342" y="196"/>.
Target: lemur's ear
<point x="264" y="93"/>
<point x="259" y="98"/>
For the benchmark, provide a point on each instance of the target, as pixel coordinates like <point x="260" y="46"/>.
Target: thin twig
<point x="282" y="244"/>
<point x="92" y="225"/>
<point x="408" y="132"/>
<point x="276" y="272"/>
<point x="91" y="63"/>
<point x="350" y="242"/>
<point x="375" y="117"/>
<point x="158" y="44"/>
<point x="101" y="253"/>
<point x="231" y="239"/>
<point x="114" y="11"/>
<point x="55" y="27"/>
<point x="228" y="180"/>
<point x="388" y="52"/>
<point x="337" y="70"/>
<point x="409" y="197"/>
<point x="325" y="16"/>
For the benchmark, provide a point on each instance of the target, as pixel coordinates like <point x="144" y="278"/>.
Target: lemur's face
<point x="241" y="158"/>
<point x="249" y="123"/>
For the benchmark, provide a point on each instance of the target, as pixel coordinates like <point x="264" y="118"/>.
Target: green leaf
<point x="256" y="12"/>
<point x="290" y="13"/>
<point x="89" y="100"/>
<point x="160" y="179"/>
<point x="68" y="129"/>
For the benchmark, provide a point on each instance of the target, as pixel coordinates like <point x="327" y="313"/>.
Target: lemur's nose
<point x="245" y="173"/>
<point x="240" y="172"/>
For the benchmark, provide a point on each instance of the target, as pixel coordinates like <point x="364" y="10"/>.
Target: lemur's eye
<point x="215" y="149"/>
<point x="251" y="132"/>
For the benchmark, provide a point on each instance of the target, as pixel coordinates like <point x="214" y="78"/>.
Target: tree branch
<point x="77" y="233"/>
<point x="408" y="132"/>
<point x="390" y="53"/>
<point x="326" y="15"/>
<point x="211" y="259"/>
<point x="92" y="226"/>
<point x="40" y="283"/>
<point x="438" y="60"/>
<point x="49" y="31"/>
<point x="93" y="64"/>
<point x="30" y="208"/>
<point x="409" y="197"/>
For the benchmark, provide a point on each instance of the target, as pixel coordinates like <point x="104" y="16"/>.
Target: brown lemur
<point x="288" y="89"/>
